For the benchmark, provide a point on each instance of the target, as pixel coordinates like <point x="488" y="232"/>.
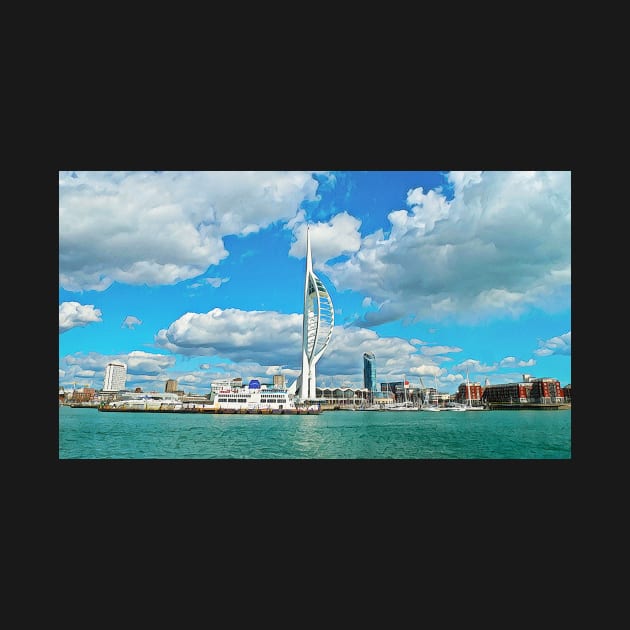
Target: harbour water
<point x="522" y="434"/>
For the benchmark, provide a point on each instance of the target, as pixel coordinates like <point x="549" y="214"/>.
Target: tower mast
<point x="317" y="325"/>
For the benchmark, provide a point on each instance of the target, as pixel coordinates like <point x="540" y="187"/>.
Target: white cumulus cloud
<point x="555" y="345"/>
<point x="162" y="228"/>
<point x="131" y="322"/>
<point x="501" y="245"/>
<point x="73" y="314"/>
<point x="267" y="338"/>
<point x="340" y="235"/>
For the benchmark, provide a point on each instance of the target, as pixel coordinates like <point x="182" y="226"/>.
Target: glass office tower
<point x="369" y="372"/>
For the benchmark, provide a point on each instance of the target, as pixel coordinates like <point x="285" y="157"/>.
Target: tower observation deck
<point x="317" y="327"/>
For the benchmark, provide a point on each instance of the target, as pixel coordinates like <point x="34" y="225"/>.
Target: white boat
<point x="426" y="404"/>
<point x="455" y="407"/>
<point x="143" y="403"/>
<point x="405" y="405"/>
<point x="259" y="399"/>
<point x="427" y="407"/>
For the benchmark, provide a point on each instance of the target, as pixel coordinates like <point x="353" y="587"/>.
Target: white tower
<point x="317" y="326"/>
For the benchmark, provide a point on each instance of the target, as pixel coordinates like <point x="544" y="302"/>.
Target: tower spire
<point x="309" y="261"/>
<point x="317" y="325"/>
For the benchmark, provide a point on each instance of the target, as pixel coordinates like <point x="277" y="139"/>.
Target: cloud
<point x="461" y="179"/>
<point x="216" y="282"/>
<point x="213" y="282"/>
<point x="141" y="367"/>
<point x="257" y="344"/>
<point x="162" y="228"/>
<point x="73" y="314"/>
<point x="262" y="336"/>
<point x="509" y="362"/>
<point x="473" y="365"/>
<point x="131" y="322"/>
<point x="501" y="245"/>
<point x="433" y="350"/>
<point x="340" y="235"/>
<point x="139" y="362"/>
<point x="556" y="345"/>
<point x="252" y="344"/>
<point x="193" y="379"/>
<point x="267" y="338"/>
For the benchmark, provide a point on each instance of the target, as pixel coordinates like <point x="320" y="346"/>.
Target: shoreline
<point x="313" y="412"/>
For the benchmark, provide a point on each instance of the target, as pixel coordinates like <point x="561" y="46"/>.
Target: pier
<point x="537" y="406"/>
<point x="212" y="410"/>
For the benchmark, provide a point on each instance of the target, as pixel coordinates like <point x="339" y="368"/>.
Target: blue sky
<point x="199" y="275"/>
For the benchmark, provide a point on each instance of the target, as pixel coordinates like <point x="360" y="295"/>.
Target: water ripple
<point x="89" y="434"/>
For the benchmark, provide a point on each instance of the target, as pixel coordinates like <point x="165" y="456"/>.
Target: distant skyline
<point x="198" y="275"/>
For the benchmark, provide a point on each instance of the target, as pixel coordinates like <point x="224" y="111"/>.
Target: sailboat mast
<point x="468" y="400"/>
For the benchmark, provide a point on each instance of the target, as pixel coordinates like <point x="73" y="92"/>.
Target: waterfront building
<point x="349" y="397"/>
<point x="369" y="372"/>
<point x="225" y="383"/>
<point x="470" y="391"/>
<point x="530" y="390"/>
<point x="404" y="392"/>
<point x="317" y="326"/>
<point x="342" y="397"/>
<point x="115" y="377"/>
<point x="171" y="385"/>
<point x="547" y="390"/>
<point x="85" y="394"/>
<point x="149" y="395"/>
<point x="397" y="388"/>
<point x="567" y="393"/>
<point x="279" y="381"/>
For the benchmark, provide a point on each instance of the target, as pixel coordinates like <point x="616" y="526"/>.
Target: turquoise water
<point x="524" y="434"/>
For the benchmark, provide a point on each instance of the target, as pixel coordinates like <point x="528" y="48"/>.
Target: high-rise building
<point x="278" y="381"/>
<point x="171" y="385"/>
<point x="115" y="377"/>
<point x="369" y="371"/>
<point x="317" y="326"/>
